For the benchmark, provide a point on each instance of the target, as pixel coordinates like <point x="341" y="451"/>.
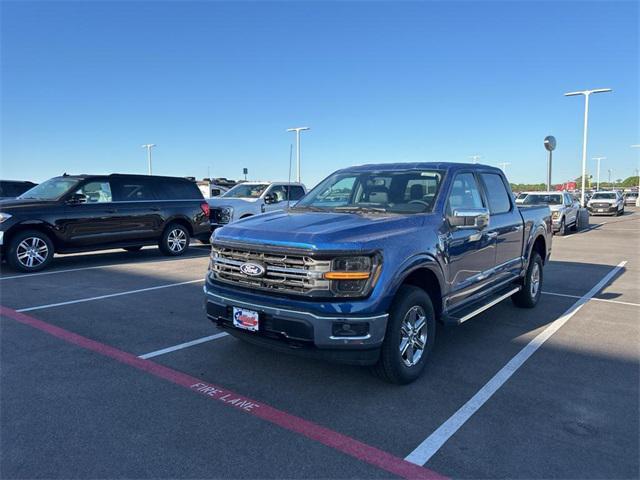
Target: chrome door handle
<point x="492" y="235"/>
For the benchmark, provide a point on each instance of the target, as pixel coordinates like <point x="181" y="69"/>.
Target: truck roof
<point x="451" y="166"/>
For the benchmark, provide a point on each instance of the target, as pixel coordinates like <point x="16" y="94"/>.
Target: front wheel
<point x="529" y="295"/>
<point x="563" y="228"/>
<point x="175" y="240"/>
<point x="409" y="338"/>
<point x="30" y="251"/>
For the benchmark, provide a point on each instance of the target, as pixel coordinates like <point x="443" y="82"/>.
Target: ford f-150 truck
<point x="362" y="268"/>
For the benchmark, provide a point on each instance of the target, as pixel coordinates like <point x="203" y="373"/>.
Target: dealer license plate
<point x="601" y="209"/>
<point x="245" y="319"/>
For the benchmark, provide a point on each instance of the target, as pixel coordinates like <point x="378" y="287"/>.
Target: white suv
<point x="606" y="203"/>
<point x="253" y="198"/>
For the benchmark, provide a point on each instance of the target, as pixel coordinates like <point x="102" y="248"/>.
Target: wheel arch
<point x="428" y="276"/>
<point x="38" y="225"/>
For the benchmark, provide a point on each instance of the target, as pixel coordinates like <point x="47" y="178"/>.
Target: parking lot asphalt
<point x="550" y="392"/>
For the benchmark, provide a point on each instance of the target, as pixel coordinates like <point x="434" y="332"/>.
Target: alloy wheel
<point x="413" y="336"/>
<point x="32" y="252"/>
<point x="177" y="240"/>
<point x="535" y="280"/>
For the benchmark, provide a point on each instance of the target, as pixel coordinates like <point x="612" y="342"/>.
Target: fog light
<point x="344" y="329"/>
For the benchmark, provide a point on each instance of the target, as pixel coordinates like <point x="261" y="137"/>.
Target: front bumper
<point x="609" y="210"/>
<point x="299" y="331"/>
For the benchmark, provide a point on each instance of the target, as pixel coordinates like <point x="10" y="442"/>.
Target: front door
<point x="94" y="221"/>
<point x="469" y="253"/>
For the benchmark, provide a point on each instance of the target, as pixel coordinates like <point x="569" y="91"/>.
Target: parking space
<point x="550" y="392"/>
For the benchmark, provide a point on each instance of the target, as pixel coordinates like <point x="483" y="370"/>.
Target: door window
<point x="465" y="193"/>
<point x="133" y="189"/>
<point x="96" y="192"/>
<point x="297" y="192"/>
<point x="497" y="194"/>
<point x="279" y="193"/>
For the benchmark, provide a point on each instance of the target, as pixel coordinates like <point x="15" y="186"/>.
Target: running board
<point x="467" y="313"/>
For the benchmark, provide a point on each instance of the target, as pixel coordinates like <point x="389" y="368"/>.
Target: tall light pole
<point x="503" y="166"/>
<point x="587" y="94"/>
<point x="475" y="158"/>
<point x="598" y="171"/>
<point x="298" y="130"/>
<point x="609" y="177"/>
<point x="149" y="146"/>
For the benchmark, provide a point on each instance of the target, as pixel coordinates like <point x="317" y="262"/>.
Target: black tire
<point x="175" y="240"/>
<point x="529" y="295"/>
<point x="563" y="228"/>
<point x="28" y="247"/>
<point x="411" y="303"/>
<point x="133" y="249"/>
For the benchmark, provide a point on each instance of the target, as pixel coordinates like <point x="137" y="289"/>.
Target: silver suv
<point x="253" y="198"/>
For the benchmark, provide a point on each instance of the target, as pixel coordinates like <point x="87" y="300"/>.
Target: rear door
<point x="470" y="252"/>
<point x="97" y="221"/>
<point x="139" y="208"/>
<point x="505" y="225"/>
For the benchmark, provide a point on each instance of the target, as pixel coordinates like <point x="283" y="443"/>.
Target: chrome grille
<point x="284" y="272"/>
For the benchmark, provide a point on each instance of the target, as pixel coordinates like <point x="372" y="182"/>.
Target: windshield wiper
<point x="308" y="207"/>
<point x="349" y="209"/>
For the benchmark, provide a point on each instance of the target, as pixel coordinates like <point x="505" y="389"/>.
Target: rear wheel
<point x="30" y="251"/>
<point x="175" y="240"/>
<point x="529" y="295"/>
<point x="409" y="337"/>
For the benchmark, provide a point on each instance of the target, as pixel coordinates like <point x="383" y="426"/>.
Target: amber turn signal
<point x="347" y="275"/>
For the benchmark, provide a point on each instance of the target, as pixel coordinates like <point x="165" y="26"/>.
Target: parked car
<point x="360" y="270"/>
<point x="520" y="197"/>
<point x="13" y="188"/>
<point x="253" y="198"/>
<point x="564" y="208"/>
<point x="630" y="198"/>
<point x="75" y="213"/>
<point x="606" y="203"/>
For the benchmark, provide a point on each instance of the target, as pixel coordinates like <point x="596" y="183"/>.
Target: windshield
<point x="52" y="189"/>
<point x="521" y="196"/>
<point x="543" y="199"/>
<point x="246" y="191"/>
<point x="402" y="191"/>
<point x="604" y="196"/>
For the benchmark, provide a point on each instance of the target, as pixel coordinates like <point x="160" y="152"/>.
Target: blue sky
<point x="215" y="85"/>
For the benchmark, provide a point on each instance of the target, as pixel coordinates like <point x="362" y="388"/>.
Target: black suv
<point x="75" y="213"/>
<point x="13" y="188"/>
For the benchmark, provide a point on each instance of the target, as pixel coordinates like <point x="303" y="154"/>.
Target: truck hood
<point x="322" y="230"/>
<point x="231" y="202"/>
<point x="14" y="204"/>
<point x="556" y="208"/>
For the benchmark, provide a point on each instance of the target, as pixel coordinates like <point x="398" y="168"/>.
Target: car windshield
<point x="543" y="199"/>
<point x="400" y="191"/>
<point x="604" y="196"/>
<point x="522" y="196"/>
<point x="52" y="189"/>
<point x="632" y="195"/>
<point x="246" y="191"/>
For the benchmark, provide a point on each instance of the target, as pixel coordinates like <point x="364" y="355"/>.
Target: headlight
<point x="354" y="276"/>
<point x="226" y="215"/>
<point x="555" y="214"/>
<point x="4" y="217"/>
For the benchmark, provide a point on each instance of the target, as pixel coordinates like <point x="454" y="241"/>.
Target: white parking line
<point x="112" y="265"/>
<point x="180" y="346"/>
<point x="437" y="439"/>
<point x="111" y="295"/>
<point x="594" y="298"/>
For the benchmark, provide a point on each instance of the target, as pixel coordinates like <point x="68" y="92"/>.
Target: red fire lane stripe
<point x="325" y="436"/>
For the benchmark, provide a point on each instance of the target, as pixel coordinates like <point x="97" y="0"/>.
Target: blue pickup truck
<point x="362" y="268"/>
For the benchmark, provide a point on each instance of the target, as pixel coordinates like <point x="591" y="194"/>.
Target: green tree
<point x="630" y="182"/>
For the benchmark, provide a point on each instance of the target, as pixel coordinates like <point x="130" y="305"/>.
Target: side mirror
<point x="469" y="218"/>
<point x="77" y="198"/>
<point x="270" y="198"/>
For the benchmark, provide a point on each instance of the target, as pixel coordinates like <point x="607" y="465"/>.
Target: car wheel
<point x="30" y="251"/>
<point x="529" y="295"/>
<point x="563" y="228"/>
<point x="133" y="249"/>
<point x="409" y="337"/>
<point x="175" y="240"/>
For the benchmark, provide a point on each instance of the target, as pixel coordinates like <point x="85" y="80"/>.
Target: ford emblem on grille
<point x="252" y="269"/>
